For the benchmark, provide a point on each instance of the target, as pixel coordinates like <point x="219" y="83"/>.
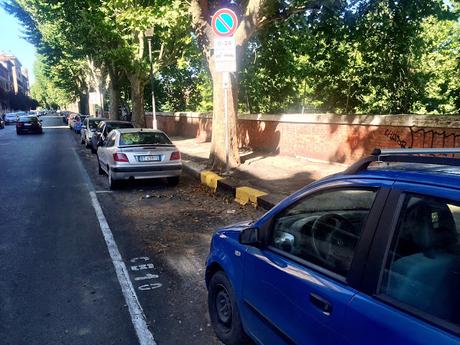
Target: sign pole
<point x="224" y="24"/>
<point x="226" y="80"/>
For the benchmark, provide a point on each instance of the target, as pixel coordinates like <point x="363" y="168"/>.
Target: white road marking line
<point x="147" y="276"/>
<point x="135" y="310"/>
<point x="102" y="191"/>
<point x="143" y="258"/>
<point x="142" y="267"/>
<point x="152" y="286"/>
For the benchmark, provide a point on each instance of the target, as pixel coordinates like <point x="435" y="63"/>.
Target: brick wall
<point x="324" y="137"/>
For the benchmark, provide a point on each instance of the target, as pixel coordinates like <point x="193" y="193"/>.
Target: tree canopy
<point x="360" y="56"/>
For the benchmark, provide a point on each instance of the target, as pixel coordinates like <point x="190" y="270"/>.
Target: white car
<point x="88" y="129"/>
<point x="137" y="153"/>
<point x="11" y="118"/>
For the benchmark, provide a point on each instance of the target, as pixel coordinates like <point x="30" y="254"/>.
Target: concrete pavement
<point x="267" y="178"/>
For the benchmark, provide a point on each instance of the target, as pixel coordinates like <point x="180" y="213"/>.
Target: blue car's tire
<point x="223" y="311"/>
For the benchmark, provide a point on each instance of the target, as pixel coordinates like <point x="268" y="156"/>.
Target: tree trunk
<point x="83" y="104"/>
<point x="217" y="156"/>
<point x="137" y="98"/>
<point x="114" y="95"/>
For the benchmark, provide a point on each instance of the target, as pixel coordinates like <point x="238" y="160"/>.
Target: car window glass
<point x="324" y="229"/>
<point x="110" y="140"/>
<point x="100" y="126"/>
<point x="422" y="269"/>
<point x="144" y="138"/>
<point x="93" y="124"/>
<point x="28" y="119"/>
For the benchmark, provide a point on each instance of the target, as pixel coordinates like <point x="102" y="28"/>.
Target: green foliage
<point x="45" y="91"/>
<point x="360" y="56"/>
<point x="375" y="56"/>
<point x="184" y="85"/>
<point x="438" y="67"/>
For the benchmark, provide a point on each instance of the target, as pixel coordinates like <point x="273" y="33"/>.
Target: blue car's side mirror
<point x="250" y="236"/>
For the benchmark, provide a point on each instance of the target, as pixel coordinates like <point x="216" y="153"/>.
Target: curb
<point x="243" y="194"/>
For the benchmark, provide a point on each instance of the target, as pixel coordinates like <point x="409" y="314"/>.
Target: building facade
<point x="13" y="77"/>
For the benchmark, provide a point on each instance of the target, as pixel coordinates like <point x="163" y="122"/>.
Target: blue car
<point x="367" y="256"/>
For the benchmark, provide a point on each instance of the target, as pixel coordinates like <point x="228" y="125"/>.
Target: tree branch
<point x="254" y="19"/>
<point x="200" y="15"/>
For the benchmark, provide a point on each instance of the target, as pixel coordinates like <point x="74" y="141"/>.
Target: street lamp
<point x="149" y="36"/>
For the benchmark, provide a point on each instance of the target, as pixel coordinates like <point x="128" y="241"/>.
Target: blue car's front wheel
<point x="223" y="311"/>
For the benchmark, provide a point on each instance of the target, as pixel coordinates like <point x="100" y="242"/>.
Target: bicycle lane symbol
<point x="142" y="268"/>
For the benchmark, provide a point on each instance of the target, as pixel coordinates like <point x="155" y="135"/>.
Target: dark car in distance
<point x="28" y="124"/>
<point x="103" y="129"/>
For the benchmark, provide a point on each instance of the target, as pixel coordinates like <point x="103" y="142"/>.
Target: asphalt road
<point x="58" y="284"/>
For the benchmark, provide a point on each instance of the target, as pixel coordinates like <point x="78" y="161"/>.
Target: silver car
<point x="87" y="130"/>
<point x="137" y="153"/>
<point x="11" y="118"/>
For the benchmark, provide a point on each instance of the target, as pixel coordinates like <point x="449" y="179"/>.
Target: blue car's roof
<point x="440" y="175"/>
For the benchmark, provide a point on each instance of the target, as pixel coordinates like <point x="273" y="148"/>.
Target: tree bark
<point x="217" y="155"/>
<point x="137" y="98"/>
<point x="83" y="104"/>
<point x="114" y="96"/>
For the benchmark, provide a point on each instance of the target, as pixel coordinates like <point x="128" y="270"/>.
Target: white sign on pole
<point x="225" y="54"/>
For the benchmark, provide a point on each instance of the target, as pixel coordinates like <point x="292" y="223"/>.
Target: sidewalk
<point x="278" y="176"/>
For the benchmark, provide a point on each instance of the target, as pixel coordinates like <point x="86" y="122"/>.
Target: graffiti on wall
<point x="393" y="136"/>
<point x="429" y="137"/>
<point x="423" y="137"/>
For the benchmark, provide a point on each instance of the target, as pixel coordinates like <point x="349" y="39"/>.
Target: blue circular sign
<point x="224" y="22"/>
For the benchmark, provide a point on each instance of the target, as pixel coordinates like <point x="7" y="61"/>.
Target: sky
<point x="11" y="41"/>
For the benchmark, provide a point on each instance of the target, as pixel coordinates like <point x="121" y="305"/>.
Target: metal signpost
<point x="224" y="24"/>
<point x="149" y="35"/>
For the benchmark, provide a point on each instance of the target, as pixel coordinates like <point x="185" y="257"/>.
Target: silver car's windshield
<point x="144" y="138"/>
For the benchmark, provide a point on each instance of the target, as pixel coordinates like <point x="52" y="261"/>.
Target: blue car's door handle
<point x="321" y="304"/>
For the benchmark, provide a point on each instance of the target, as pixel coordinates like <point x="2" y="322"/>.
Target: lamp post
<point x="149" y="36"/>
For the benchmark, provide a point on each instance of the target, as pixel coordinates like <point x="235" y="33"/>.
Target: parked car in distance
<point x="103" y="129"/>
<point x="65" y="116"/>
<point x="367" y="256"/>
<point x="10" y="118"/>
<point x="71" y="120"/>
<point x="78" y="123"/>
<point x="28" y="124"/>
<point x="137" y="153"/>
<point x="88" y="128"/>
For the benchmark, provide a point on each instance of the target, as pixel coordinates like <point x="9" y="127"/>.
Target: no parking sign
<point x="224" y="22"/>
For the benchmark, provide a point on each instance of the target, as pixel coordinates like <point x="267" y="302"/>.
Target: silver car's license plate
<point x="149" y="158"/>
